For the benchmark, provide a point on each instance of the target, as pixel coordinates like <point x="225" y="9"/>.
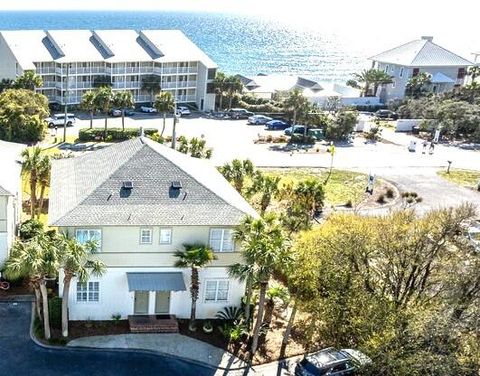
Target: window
<point x="145" y="236"/>
<point x="165" y="236"/>
<point x="211" y="74"/>
<point x="216" y="291"/>
<point x="386" y="69"/>
<point x="416" y="71"/>
<point x="84" y="236"/>
<point x="393" y="84"/>
<point x="401" y="72"/>
<point x="88" y="291"/>
<point x="461" y="73"/>
<point x="221" y="239"/>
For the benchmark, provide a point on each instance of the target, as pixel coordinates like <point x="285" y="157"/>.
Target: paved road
<point x="21" y="356"/>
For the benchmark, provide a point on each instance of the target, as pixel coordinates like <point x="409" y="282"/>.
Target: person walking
<point x="432" y="147"/>
<point x="424" y="150"/>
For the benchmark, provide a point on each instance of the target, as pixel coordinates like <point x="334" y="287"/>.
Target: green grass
<point x="465" y="178"/>
<point x="342" y="186"/>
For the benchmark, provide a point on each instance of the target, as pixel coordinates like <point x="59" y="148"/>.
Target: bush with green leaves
<point x="113" y="134"/>
<point x="30" y="228"/>
<point x="230" y="313"/>
<point x="55" y="309"/>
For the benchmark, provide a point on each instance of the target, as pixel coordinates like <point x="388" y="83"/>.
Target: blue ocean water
<point x="238" y="44"/>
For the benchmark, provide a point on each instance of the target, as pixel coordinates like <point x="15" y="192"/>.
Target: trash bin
<point x="415" y="129"/>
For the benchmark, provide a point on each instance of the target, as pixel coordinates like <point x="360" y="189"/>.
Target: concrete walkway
<point x="172" y="344"/>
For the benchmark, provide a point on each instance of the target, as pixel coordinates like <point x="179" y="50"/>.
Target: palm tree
<point x="195" y="256"/>
<point x="418" y="85"/>
<point x="267" y="185"/>
<point x="28" y="80"/>
<point x="474" y="72"/>
<point x="33" y="165"/>
<point x="310" y="193"/>
<point x="151" y="84"/>
<point x="244" y="272"/>
<point x="164" y="102"/>
<point x="104" y="101"/>
<point x="123" y="100"/>
<point x="74" y="260"/>
<point x="264" y="245"/>
<point x="219" y="87"/>
<point x="297" y="104"/>
<point x="89" y="104"/>
<point x="43" y="176"/>
<point x="233" y="85"/>
<point x="237" y="172"/>
<point x="379" y="77"/>
<point x="37" y="260"/>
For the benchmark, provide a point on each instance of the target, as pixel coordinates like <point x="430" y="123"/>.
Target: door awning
<point x="167" y="281"/>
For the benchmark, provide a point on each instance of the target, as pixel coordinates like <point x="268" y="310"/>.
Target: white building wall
<point x="116" y="299"/>
<point x="8" y="221"/>
<point x="7" y="61"/>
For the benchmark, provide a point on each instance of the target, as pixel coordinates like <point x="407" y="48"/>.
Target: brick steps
<point x="153" y="324"/>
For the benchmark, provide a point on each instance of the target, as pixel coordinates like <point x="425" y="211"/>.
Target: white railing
<point x="142" y="98"/>
<point x="186" y="98"/>
<point x="118" y="85"/>
<point x="146" y="69"/>
<point x="169" y="71"/>
<point x="47" y="84"/>
<point x="187" y="84"/>
<point x="168" y="85"/>
<point x="59" y="85"/>
<point x="132" y="70"/>
<point x="132" y="85"/>
<point x="45" y="70"/>
<point x="83" y="85"/>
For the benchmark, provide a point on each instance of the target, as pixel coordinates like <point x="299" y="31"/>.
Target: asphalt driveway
<point x="21" y="356"/>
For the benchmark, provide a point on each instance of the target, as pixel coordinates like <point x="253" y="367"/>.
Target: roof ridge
<point x="394" y="48"/>
<point x="444" y="49"/>
<point x="194" y="177"/>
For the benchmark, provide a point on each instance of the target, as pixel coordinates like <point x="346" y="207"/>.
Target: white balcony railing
<point x="46" y="70"/>
<point x="48" y="84"/>
<point x="142" y="98"/>
<point x="186" y="98"/>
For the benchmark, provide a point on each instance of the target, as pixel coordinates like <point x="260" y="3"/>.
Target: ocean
<point x="238" y="44"/>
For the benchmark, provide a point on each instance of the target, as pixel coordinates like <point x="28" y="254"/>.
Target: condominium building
<point x="70" y="62"/>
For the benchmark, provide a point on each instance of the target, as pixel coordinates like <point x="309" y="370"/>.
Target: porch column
<point x="151" y="302"/>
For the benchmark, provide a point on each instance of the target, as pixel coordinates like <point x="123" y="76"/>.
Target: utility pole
<point x="66" y="101"/>
<point x="174" y="135"/>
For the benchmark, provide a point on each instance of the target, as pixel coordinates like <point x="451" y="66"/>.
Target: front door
<point x="162" y="302"/>
<point x="141" y="303"/>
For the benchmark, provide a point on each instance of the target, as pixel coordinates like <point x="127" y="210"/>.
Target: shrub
<point x="55" y="309"/>
<point x="381" y="199"/>
<point x="349" y="204"/>
<point x="390" y="193"/>
<point x="113" y="134"/>
<point x="230" y="313"/>
<point x="30" y="229"/>
<point x="300" y="139"/>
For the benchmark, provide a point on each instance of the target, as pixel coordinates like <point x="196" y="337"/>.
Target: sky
<point x="454" y="24"/>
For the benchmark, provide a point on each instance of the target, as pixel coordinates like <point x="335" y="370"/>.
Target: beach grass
<point x="465" y="178"/>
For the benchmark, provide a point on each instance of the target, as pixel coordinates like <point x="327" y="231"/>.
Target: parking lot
<point x="235" y="139"/>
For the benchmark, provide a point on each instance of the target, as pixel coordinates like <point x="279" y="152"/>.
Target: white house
<point x="10" y="195"/>
<point x="446" y="68"/>
<point x="69" y="61"/>
<point x="142" y="201"/>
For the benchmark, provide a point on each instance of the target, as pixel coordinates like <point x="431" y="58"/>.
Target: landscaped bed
<point x="465" y="178"/>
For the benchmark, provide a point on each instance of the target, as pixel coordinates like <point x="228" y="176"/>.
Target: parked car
<point x="238" y="113"/>
<point x="183" y="111"/>
<point x="59" y="119"/>
<point x="295" y="129"/>
<point x="148" y="109"/>
<point x="276" y="124"/>
<point x="259" y="119"/>
<point x="115" y="112"/>
<point x="331" y="362"/>
<point x="129" y="112"/>
<point x="386" y="114"/>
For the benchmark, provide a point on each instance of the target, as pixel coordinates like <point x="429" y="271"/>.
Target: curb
<point x="17" y="298"/>
<point x="118" y="350"/>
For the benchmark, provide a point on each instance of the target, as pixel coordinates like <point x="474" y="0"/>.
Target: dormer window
<point x="127" y="185"/>
<point x="177" y="184"/>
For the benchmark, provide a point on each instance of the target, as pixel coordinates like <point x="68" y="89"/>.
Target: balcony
<point x="118" y="85"/>
<point x="48" y="84"/>
<point x="82" y="85"/>
<point x="186" y="98"/>
<point x="142" y="98"/>
<point x="187" y="84"/>
<point x="47" y="70"/>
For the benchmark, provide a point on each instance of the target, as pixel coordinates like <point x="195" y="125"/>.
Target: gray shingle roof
<point x="87" y="190"/>
<point x="421" y="52"/>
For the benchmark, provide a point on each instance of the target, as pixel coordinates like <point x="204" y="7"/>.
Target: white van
<point x="59" y="120"/>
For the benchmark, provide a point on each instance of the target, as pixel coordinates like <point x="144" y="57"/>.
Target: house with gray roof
<point x="10" y="195"/>
<point x="446" y="69"/>
<point x="141" y="201"/>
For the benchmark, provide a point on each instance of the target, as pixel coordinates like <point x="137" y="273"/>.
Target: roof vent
<point x="176" y="184"/>
<point x="127" y="185"/>
<point x="427" y="37"/>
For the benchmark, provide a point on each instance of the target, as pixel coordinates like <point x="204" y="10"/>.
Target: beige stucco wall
<point x="121" y="246"/>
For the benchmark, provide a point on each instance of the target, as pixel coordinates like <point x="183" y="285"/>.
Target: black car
<point x="276" y="124"/>
<point x="238" y="113"/>
<point x="331" y="362"/>
<point x="386" y="114"/>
